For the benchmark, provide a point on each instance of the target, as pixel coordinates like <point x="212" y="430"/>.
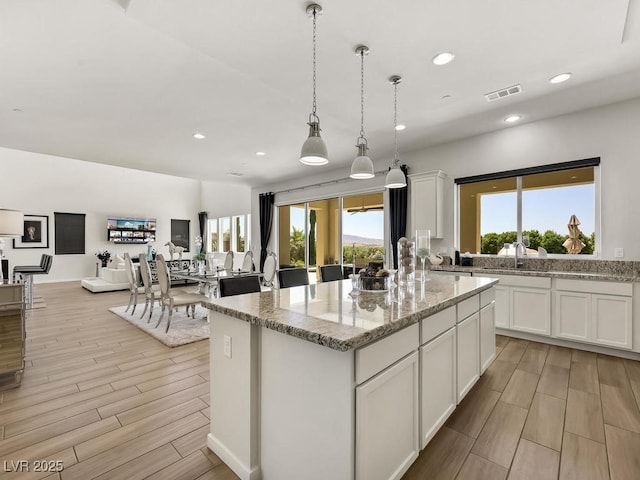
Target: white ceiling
<point x="127" y="82"/>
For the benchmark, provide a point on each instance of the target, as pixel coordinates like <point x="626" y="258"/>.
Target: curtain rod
<point x="329" y="182"/>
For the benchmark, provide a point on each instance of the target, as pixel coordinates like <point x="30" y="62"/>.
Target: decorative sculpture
<point x="174" y="249"/>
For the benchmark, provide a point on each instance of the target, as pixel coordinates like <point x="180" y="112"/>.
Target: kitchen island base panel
<point x="307" y="409"/>
<point x="234" y="391"/>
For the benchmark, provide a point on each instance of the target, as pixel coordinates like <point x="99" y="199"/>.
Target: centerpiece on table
<point x="200" y="256"/>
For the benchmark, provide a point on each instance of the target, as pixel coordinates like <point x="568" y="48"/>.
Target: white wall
<point x="610" y="132"/>
<point x="43" y="184"/>
<point x="220" y="199"/>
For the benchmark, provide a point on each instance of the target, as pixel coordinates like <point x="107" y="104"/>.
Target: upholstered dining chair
<point x="269" y="269"/>
<point x="151" y="291"/>
<point x="229" y="286"/>
<point x="329" y="273"/>
<point x="169" y="298"/>
<point x="293" y="277"/>
<point x="228" y="261"/>
<point x="134" y="288"/>
<point x="247" y="262"/>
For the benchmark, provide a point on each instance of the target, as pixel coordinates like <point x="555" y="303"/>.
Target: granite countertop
<point x="575" y="275"/>
<point x="333" y="315"/>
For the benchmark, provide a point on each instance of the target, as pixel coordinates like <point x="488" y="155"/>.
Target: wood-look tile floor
<point x="542" y="412"/>
<point x="106" y="399"/>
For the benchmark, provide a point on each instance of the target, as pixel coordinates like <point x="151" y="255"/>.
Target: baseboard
<point x="614" y="352"/>
<point x="232" y="461"/>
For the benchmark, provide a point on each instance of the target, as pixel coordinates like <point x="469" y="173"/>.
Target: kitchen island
<point x="322" y="381"/>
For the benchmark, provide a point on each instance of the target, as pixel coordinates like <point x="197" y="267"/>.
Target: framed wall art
<point x="36" y="232"/>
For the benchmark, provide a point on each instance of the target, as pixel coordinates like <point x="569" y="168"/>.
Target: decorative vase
<point x="149" y="254"/>
<point x="105" y="262"/>
<point x="201" y="265"/>
<point x="406" y="262"/>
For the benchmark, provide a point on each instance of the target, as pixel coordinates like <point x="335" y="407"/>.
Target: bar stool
<point x="24" y="274"/>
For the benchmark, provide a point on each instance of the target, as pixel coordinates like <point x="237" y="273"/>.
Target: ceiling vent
<point x="502" y="93"/>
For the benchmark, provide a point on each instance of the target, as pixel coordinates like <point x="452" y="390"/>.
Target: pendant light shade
<point x="395" y="178"/>
<point x="314" y="150"/>
<point x="362" y="166"/>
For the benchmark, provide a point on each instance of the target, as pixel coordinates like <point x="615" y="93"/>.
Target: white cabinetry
<point x="594" y="312"/>
<point x="487" y="329"/>
<point x="387" y="406"/>
<point x="427" y="202"/>
<point x="437" y="372"/>
<point x="523" y="303"/>
<point x="387" y="422"/>
<point x="468" y="345"/>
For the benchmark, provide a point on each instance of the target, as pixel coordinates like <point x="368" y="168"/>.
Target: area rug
<point x="183" y="329"/>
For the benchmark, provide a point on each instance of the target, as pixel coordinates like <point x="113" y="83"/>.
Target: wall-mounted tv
<point x="131" y="230"/>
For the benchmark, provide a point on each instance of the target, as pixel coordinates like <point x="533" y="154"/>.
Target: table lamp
<point x="11" y="225"/>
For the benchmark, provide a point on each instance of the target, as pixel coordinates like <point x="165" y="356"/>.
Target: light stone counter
<point x="333" y="315"/>
<point x="612" y="276"/>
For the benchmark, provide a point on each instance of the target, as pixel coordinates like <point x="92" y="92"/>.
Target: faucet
<point x="518" y="246"/>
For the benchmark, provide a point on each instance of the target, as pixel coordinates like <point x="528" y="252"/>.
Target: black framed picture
<point x="36" y="232"/>
<point x="180" y="233"/>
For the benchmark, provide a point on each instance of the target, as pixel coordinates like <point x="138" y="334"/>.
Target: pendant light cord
<point x="313" y="109"/>
<point x="396" y="160"/>
<point x="362" y="95"/>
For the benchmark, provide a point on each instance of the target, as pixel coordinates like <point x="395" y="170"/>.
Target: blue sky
<point x="364" y="224"/>
<point x="542" y="209"/>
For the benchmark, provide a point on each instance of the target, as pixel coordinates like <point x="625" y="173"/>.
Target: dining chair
<point x="228" y="261"/>
<point x="170" y="298"/>
<point x="151" y="291"/>
<point x="329" y="273"/>
<point x="238" y="285"/>
<point x="134" y="288"/>
<point x="269" y="269"/>
<point x="293" y="277"/>
<point x="247" y="262"/>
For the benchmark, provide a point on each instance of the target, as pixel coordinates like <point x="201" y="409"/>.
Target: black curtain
<point x="202" y="220"/>
<point x="266" y="222"/>
<point x="398" y="200"/>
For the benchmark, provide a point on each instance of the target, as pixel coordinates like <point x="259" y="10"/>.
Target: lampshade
<point x="11" y="223"/>
<point x="362" y="166"/>
<point x="314" y="150"/>
<point x="395" y="178"/>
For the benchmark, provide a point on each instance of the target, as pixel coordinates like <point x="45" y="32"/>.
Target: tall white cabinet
<point x="426" y="192"/>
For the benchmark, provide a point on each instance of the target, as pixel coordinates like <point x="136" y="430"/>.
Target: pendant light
<point x="362" y="166"/>
<point x="314" y="150"/>
<point x="395" y="177"/>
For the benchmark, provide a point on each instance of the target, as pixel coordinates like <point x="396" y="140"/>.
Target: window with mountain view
<point x="549" y="202"/>
<point x="363" y="229"/>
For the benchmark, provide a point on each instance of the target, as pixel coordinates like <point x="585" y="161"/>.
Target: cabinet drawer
<point x="518" y="280"/>
<point x="436" y="324"/>
<point x="379" y="355"/>
<point x="487" y="297"/>
<point x="468" y="307"/>
<point x="592" y="286"/>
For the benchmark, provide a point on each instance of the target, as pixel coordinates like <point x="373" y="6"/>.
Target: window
<point x="363" y="230"/>
<point x="534" y="204"/>
<point x="230" y="233"/>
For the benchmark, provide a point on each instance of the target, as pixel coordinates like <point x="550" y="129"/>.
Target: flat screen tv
<point x="131" y="230"/>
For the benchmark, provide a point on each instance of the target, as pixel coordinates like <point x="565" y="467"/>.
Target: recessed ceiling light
<point x="199" y="136"/>
<point x="446" y="97"/>
<point x="563" y="77"/>
<point x="235" y="174"/>
<point x="400" y="127"/>
<point x="573" y="177"/>
<point x="512" y="118"/>
<point x="260" y="154"/>
<point x="443" y="58"/>
<point x="17" y="110"/>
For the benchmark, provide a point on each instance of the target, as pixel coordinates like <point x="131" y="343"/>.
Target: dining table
<point x="208" y="280"/>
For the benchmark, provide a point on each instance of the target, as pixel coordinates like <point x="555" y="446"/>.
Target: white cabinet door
<point x="487" y="336"/>
<point x="573" y="315"/>
<point x="427" y="202"/>
<point x="531" y="310"/>
<point x="468" y="352"/>
<point x="611" y="320"/>
<point x="387" y="422"/>
<point x="438" y="383"/>
<point x="502" y="306"/>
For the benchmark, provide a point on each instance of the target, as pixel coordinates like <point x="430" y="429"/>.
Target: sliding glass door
<point x="347" y="230"/>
